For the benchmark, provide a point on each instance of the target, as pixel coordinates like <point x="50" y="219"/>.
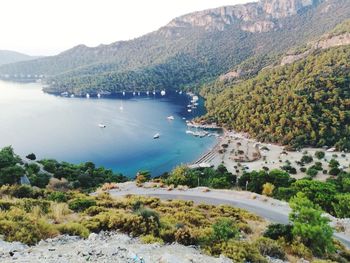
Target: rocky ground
<point x="101" y="248"/>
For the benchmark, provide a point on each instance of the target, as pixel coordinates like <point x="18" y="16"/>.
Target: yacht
<point x="88" y="96"/>
<point x="98" y="95"/>
<point x="171" y="118"/>
<point x="102" y="125"/>
<point x="162" y="93"/>
<point x="189" y="110"/>
<point x="156" y="136"/>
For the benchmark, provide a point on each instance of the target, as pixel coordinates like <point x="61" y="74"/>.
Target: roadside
<point x="271" y="209"/>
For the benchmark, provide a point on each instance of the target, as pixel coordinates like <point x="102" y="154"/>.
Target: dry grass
<point x="59" y="212"/>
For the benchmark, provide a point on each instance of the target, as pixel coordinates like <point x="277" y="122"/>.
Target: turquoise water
<point x="67" y="129"/>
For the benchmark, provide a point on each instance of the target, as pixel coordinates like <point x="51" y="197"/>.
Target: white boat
<point x="195" y="98"/>
<point x="134" y="93"/>
<point x="72" y="96"/>
<point x="139" y="93"/>
<point x="154" y="92"/>
<point x="189" y="110"/>
<point x="64" y="94"/>
<point x="98" y="95"/>
<point x="171" y="118"/>
<point x="102" y="125"/>
<point x="123" y="93"/>
<point x="156" y="136"/>
<point x="147" y="92"/>
<point x="183" y="118"/>
<point x="189" y="106"/>
<point x="88" y="96"/>
<point x="180" y="92"/>
<point x="162" y="93"/>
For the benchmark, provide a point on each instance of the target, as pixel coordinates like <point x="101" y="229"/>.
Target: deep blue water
<point x="67" y="129"/>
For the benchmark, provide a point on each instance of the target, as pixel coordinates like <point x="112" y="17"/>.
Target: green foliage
<point x="81" y="204"/>
<point x="310" y="226"/>
<point x="342" y="205"/>
<point x="256" y="180"/>
<point x="277" y="231"/>
<point x="305" y="103"/>
<point x="224" y="230"/>
<point x="59" y="197"/>
<point x="215" y="178"/>
<point x="73" y="229"/>
<point x="269" y="247"/>
<point x="319" y="154"/>
<point x="31" y="156"/>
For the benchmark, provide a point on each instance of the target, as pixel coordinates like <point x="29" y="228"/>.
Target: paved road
<point x="274" y="212"/>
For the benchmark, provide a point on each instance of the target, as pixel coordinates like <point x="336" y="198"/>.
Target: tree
<point x="319" y="154"/>
<point x="342" y="205"/>
<point x="31" y="156"/>
<point x="309" y="226"/>
<point x="11" y="175"/>
<point x="178" y="176"/>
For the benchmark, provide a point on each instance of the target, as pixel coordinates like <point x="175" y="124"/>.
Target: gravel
<point x="105" y="247"/>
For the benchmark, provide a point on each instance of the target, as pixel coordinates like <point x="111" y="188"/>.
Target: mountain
<point x="191" y="50"/>
<point x="302" y="100"/>
<point x="7" y="57"/>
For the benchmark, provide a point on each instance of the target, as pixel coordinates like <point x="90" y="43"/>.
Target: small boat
<point x="171" y="118"/>
<point x="180" y="92"/>
<point x="139" y="93"/>
<point x="162" y="93"/>
<point x="154" y="92"/>
<point x="98" y="95"/>
<point x="189" y="110"/>
<point x="189" y="106"/>
<point x="72" y="96"/>
<point x="102" y="125"/>
<point x="156" y="136"/>
<point x="134" y="93"/>
<point x="147" y="92"/>
<point x="64" y="94"/>
<point x="183" y="118"/>
<point x="123" y="93"/>
<point x="88" y="96"/>
<point x="195" y="98"/>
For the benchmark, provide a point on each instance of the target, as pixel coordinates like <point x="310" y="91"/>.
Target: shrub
<point x="184" y="236"/>
<point x="268" y="189"/>
<point x="59" y="211"/>
<point x="81" y="204"/>
<point x="342" y="205"/>
<point x="311" y="172"/>
<point x="58" y="185"/>
<point x="302" y="169"/>
<point x="269" y="247"/>
<point x="150" y="239"/>
<point x="306" y="159"/>
<point x="277" y="231"/>
<point x="57" y="197"/>
<point x="224" y="229"/>
<point x="74" y="229"/>
<point x="300" y="250"/>
<point x="17" y="225"/>
<point x="241" y="252"/>
<point x="319" y="154"/>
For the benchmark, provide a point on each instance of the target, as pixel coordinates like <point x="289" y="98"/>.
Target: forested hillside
<point x="304" y="103"/>
<point x="7" y="57"/>
<point x="191" y="49"/>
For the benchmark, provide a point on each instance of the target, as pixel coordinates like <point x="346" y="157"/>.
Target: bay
<point x="67" y="129"/>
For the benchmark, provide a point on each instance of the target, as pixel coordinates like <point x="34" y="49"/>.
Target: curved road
<point x="274" y="210"/>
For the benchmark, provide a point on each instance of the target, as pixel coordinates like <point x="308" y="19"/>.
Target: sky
<point x="47" y="27"/>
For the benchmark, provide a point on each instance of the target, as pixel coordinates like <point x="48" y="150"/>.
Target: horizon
<point x="44" y="33"/>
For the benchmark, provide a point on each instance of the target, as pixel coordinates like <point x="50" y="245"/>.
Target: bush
<point x="269" y="247"/>
<point x="320" y="154"/>
<point x="311" y="172"/>
<point x="150" y="239"/>
<point x="74" y="229"/>
<point x="59" y="197"/>
<point x="224" y="229"/>
<point x="306" y="159"/>
<point x="81" y="204"/>
<point x="268" y="189"/>
<point x="277" y="231"/>
<point x="184" y="236"/>
<point x="58" y="185"/>
<point x="241" y="251"/>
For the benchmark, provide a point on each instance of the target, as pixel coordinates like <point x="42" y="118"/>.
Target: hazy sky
<point x="47" y="27"/>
